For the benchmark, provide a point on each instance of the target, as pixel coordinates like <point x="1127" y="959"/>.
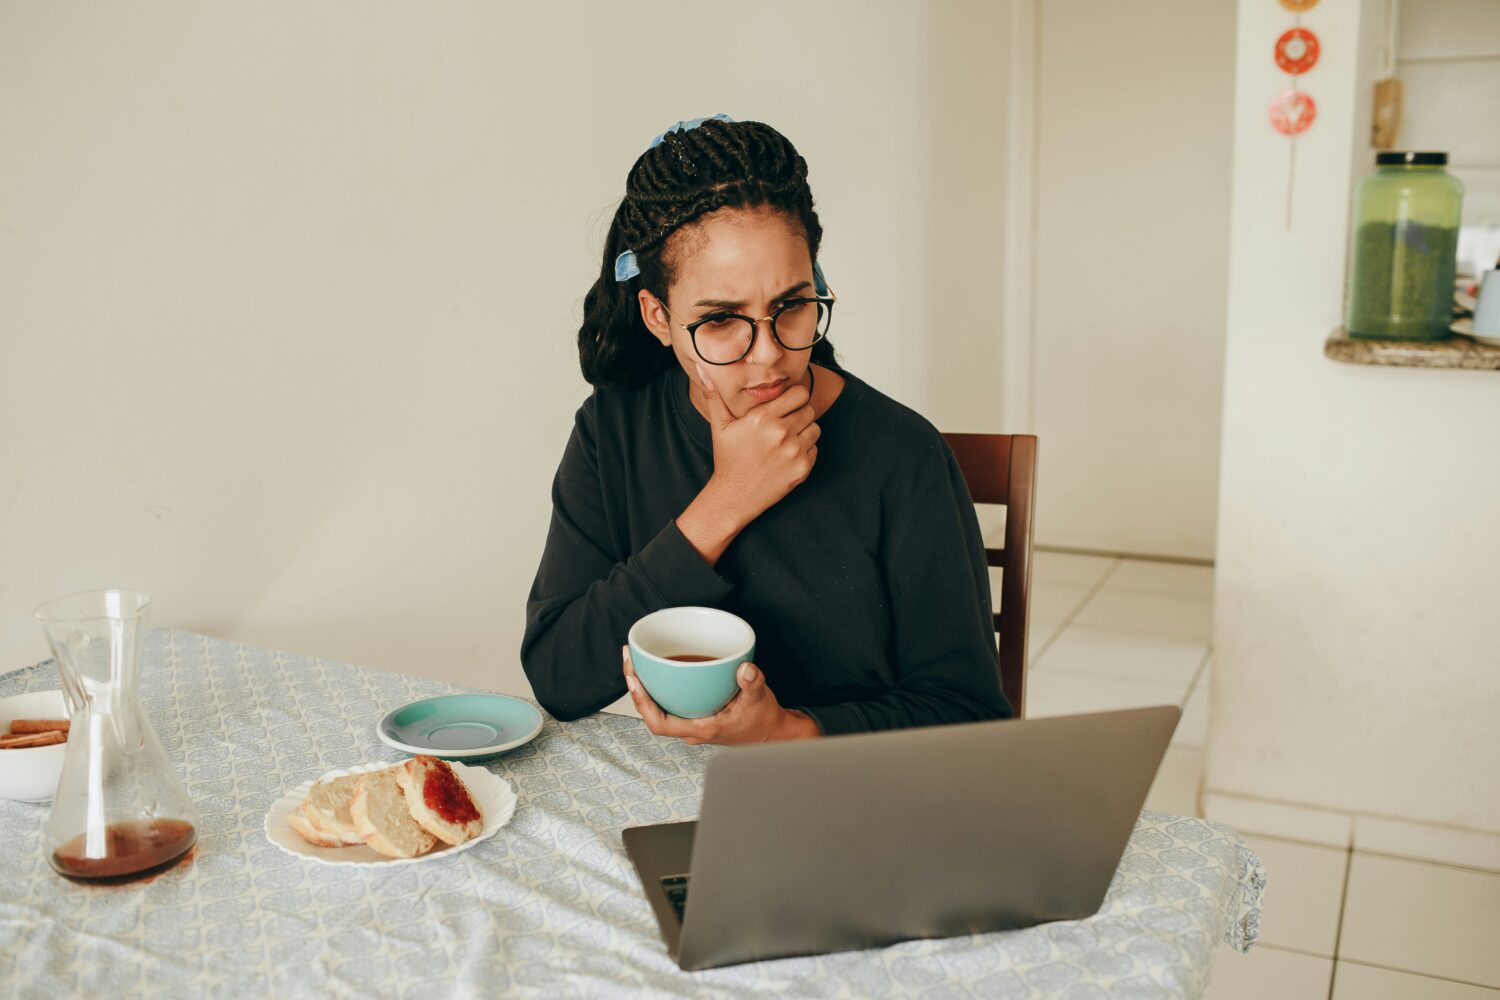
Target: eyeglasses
<point x="722" y="338"/>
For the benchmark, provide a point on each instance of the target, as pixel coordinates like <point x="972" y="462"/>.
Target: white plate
<point x="1465" y="326"/>
<point x="496" y="800"/>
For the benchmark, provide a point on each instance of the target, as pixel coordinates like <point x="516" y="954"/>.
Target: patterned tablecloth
<point x="548" y="907"/>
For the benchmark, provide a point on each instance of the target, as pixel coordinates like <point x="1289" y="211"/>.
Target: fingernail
<point x="747" y="672"/>
<point x="631" y="683"/>
<point x="625" y="654"/>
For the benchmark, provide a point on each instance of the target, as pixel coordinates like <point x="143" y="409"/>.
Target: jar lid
<point x="1411" y="159"/>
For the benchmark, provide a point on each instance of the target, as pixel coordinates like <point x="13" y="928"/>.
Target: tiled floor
<point x="1337" y="925"/>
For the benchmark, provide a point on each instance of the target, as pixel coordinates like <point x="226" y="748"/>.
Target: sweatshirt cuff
<point x="837" y="720"/>
<point x="677" y="573"/>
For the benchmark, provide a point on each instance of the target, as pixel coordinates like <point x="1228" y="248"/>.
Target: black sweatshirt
<point x="866" y="585"/>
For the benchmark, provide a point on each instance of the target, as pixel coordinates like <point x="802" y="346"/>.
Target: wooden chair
<point x="1001" y="469"/>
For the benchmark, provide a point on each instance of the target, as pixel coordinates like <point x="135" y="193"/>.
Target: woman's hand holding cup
<point x="753" y="715"/>
<point x="703" y="685"/>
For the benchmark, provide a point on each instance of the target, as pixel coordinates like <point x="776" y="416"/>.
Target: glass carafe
<point x="120" y="811"/>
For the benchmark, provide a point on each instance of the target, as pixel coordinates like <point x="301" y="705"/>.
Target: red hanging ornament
<point x="1292" y="112"/>
<point x="1297" y="51"/>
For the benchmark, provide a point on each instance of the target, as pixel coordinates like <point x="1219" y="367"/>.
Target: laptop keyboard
<point x="676" y="888"/>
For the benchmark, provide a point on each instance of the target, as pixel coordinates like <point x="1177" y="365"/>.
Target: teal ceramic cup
<point x="691" y="689"/>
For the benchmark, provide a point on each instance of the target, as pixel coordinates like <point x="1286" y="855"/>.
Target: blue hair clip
<point x="626" y="266"/>
<point x="820" y="283"/>
<point x="688" y="126"/>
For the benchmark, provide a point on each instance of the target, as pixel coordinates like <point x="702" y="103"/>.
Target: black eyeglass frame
<point x="826" y="301"/>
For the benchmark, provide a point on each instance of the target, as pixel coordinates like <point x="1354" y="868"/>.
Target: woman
<point x="726" y="460"/>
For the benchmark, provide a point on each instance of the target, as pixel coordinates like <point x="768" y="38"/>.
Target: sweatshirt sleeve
<point x="947" y="669"/>
<point x="586" y="595"/>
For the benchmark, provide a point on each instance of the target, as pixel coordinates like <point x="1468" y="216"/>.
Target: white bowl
<point x="30" y="774"/>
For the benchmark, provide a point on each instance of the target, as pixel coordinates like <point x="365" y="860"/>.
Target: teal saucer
<point x="461" y="726"/>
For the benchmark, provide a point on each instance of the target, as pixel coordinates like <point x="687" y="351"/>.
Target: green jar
<point x="1404" y="249"/>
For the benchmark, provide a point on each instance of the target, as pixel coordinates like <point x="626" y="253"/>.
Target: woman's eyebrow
<point x="726" y="304"/>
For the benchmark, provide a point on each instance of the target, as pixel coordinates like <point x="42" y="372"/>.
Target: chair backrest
<point x="1001" y="469"/>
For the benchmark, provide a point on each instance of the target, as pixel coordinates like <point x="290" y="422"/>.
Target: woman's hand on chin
<point x="752" y="716"/>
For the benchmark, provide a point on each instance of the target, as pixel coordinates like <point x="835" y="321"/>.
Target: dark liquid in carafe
<point x="692" y="658"/>
<point x="132" y="849"/>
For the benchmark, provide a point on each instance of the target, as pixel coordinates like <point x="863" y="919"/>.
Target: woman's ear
<point x="654" y="315"/>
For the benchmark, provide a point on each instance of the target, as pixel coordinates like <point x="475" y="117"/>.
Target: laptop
<point x="815" y="846"/>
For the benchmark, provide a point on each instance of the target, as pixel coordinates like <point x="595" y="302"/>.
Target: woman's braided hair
<point x="689" y="174"/>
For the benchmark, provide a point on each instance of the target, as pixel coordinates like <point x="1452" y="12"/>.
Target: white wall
<point x="1448" y="58"/>
<point x="288" y="291"/>
<point x="1132" y="229"/>
<point x="1356" y="645"/>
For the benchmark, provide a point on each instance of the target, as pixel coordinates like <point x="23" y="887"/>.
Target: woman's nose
<point x="765" y="351"/>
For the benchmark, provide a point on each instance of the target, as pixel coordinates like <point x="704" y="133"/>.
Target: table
<point x="549" y="907"/>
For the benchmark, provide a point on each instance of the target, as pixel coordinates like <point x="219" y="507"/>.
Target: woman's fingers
<point x="789" y="402"/>
<point x="718" y="411"/>
<point x="803" y="418"/>
<point x="663" y="724"/>
<point x="752" y="684"/>
<point x="747" y="676"/>
<point x="656" y="720"/>
<point x="650" y="712"/>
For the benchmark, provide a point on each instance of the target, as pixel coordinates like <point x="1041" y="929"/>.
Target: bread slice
<point x="382" y="818"/>
<point x="439" y="801"/>
<point x="326" y="808"/>
<point x="310" y="833"/>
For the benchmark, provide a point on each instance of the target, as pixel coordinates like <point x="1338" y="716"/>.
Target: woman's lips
<point x="766" y="393"/>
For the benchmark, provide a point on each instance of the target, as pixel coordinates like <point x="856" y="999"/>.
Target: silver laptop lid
<point x="861" y="841"/>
